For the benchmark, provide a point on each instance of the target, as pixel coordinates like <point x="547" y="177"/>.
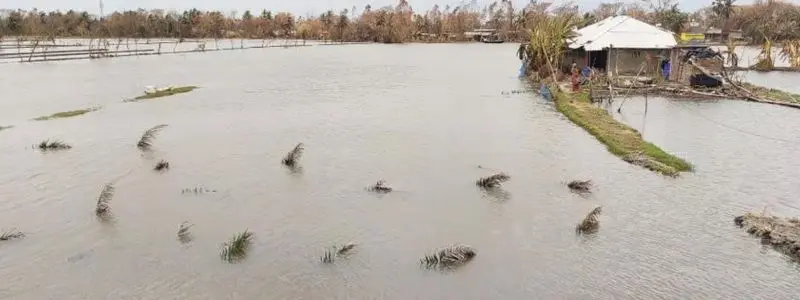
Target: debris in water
<point x="449" y="257"/>
<point x="493" y="181"/>
<point x="380" y="187"/>
<point x="580" y="186"/>
<point x="590" y="224"/>
<point x="781" y="233"/>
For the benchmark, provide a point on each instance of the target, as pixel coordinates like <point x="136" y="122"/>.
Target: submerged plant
<point x="197" y="190"/>
<point x="53" y="145"/>
<point x="580" y="186"/>
<point x="332" y="253"/>
<point x="493" y="181"/>
<point x="183" y="232"/>
<point x="146" y="141"/>
<point x="293" y="156"/>
<point x="162" y="165"/>
<point x="103" y="208"/>
<point x="236" y="249"/>
<point x="11" y="234"/>
<point x="590" y="223"/>
<point x="380" y="187"/>
<point x="449" y="257"/>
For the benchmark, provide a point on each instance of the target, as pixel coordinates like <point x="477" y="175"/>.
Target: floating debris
<point x="493" y="181"/>
<point x="103" y="209"/>
<point x="580" y="186"/>
<point x="183" y="232"/>
<point x="781" y="233"/>
<point x="293" y="156"/>
<point x="11" y="234"/>
<point x="6" y="127"/>
<point x="380" y="187"/>
<point x="67" y="114"/>
<point x="197" y="190"/>
<point x="449" y="257"/>
<point x="162" y="165"/>
<point x="146" y="141"/>
<point x="331" y="254"/>
<point x="590" y="224"/>
<point x="236" y="249"/>
<point x="48" y="145"/>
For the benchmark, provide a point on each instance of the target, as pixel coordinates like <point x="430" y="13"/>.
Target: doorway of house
<point x="598" y="59"/>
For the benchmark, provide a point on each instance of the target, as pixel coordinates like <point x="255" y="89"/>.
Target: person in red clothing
<point x="576" y="76"/>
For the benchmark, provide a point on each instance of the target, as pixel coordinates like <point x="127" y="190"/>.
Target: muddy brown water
<point x="422" y="117"/>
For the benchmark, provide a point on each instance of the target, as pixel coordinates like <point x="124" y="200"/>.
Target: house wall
<point x="629" y="61"/>
<point x="578" y="55"/>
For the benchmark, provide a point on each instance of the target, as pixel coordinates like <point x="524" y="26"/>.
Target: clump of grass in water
<point x="11" y="234"/>
<point x="590" y="224"/>
<point x="236" y="249"/>
<point x="492" y="181"/>
<point x="67" y="114"/>
<point x="146" y="141"/>
<point x="183" y="232"/>
<point x="166" y="92"/>
<point x="336" y="251"/>
<point x="47" y="145"/>
<point x="379" y="187"/>
<point x="582" y="186"/>
<point x="449" y="257"/>
<point x="162" y="165"/>
<point x="103" y="209"/>
<point x="293" y="156"/>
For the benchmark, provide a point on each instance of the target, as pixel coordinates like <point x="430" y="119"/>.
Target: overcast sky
<point x="299" y="7"/>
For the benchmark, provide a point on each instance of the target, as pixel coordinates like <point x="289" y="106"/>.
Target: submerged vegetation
<point x="11" y="234"/>
<point x="67" y="114"/>
<point x="379" y="187"/>
<point x="197" y="190"/>
<point x="146" y="141"/>
<point x="583" y="186"/>
<point x="162" y="165"/>
<point x="165" y="92"/>
<point x="48" y="145"/>
<point x="183" y="232"/>
<point x="449" y="257"/>
<point x="293" y="156"/>
<point x="6" y="127"/>
<point x="332" y="253"/>
<point x="590" y="224"/>
<point x="236" y="249"/>
<point x="103" y="209"/>
<point x="782" y="234"/>
<point x="492" y="181"/>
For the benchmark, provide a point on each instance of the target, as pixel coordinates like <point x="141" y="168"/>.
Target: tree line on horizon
<point x="765" y="20"/>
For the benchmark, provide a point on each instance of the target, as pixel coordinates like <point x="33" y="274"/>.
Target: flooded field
<point x="367" y="112"/>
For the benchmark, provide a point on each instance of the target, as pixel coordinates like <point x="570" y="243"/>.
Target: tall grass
<point x="548" y="39"/>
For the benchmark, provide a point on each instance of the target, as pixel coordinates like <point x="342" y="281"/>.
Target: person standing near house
<point x="665" y="69"/>
<point x="576" y="76"/>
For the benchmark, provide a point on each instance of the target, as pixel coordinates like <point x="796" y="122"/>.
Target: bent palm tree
<point x="146" y="141"/>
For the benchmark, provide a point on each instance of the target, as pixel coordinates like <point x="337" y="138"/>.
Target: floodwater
<point x="422" y="117"/>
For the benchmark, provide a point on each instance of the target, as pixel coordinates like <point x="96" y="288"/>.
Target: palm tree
<point x="791" y="52"/>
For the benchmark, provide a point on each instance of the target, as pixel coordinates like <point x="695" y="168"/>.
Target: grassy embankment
<point x="166" y="92"/>
<point x="772" y="94"/>
<point x="67" y="114"/>
<point x="621" y="140"/>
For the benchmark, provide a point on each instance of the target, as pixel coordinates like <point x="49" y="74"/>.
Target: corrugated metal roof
<point x="622" y="32"/>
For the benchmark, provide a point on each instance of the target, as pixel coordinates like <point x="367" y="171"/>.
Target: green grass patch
<point x="67" y="114"/>
<point x="772" y="94"/>
<point x="166" y="92"/>
<point x="619" y="139"/>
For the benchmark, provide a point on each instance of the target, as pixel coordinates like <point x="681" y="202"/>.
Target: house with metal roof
<point x="621" y="45"/>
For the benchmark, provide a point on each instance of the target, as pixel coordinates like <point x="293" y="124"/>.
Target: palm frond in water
<point x="103" y="208"/>
<point x="590" y="223"/>
<point x="580" y="186"/>
<point x="161" y="166"/>
<point x="146" y="141"/>
<point x="449" y="257"/>
<point x="293" y="156"/>
<point x="380" y="187"/>
<point x="53" y="145"/>
<point x="493" y="181"/>
<point x="183" y="232"/>
<point x="336" y="251"/>
<point x="11" y="234"/>
<point x="236" y="249"/>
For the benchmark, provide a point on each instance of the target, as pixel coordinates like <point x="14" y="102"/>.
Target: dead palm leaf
<point x="380" y="187"/>
<point x="492" y="181"/>
<point x="590" y="223"/>
<point x="146" y="142"/>
<point x="236" y="248"/>
<point x="453" y="256"/>
<point x="293" y="156"/>
<point x="53" y="145"/>
<point x="11" y="234"/>
<point x="103" y="208"/>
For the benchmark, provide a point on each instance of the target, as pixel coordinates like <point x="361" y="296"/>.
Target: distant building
<point x="621" y="45"/>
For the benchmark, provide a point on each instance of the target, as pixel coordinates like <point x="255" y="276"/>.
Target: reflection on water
<point x="364" y="113"/>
